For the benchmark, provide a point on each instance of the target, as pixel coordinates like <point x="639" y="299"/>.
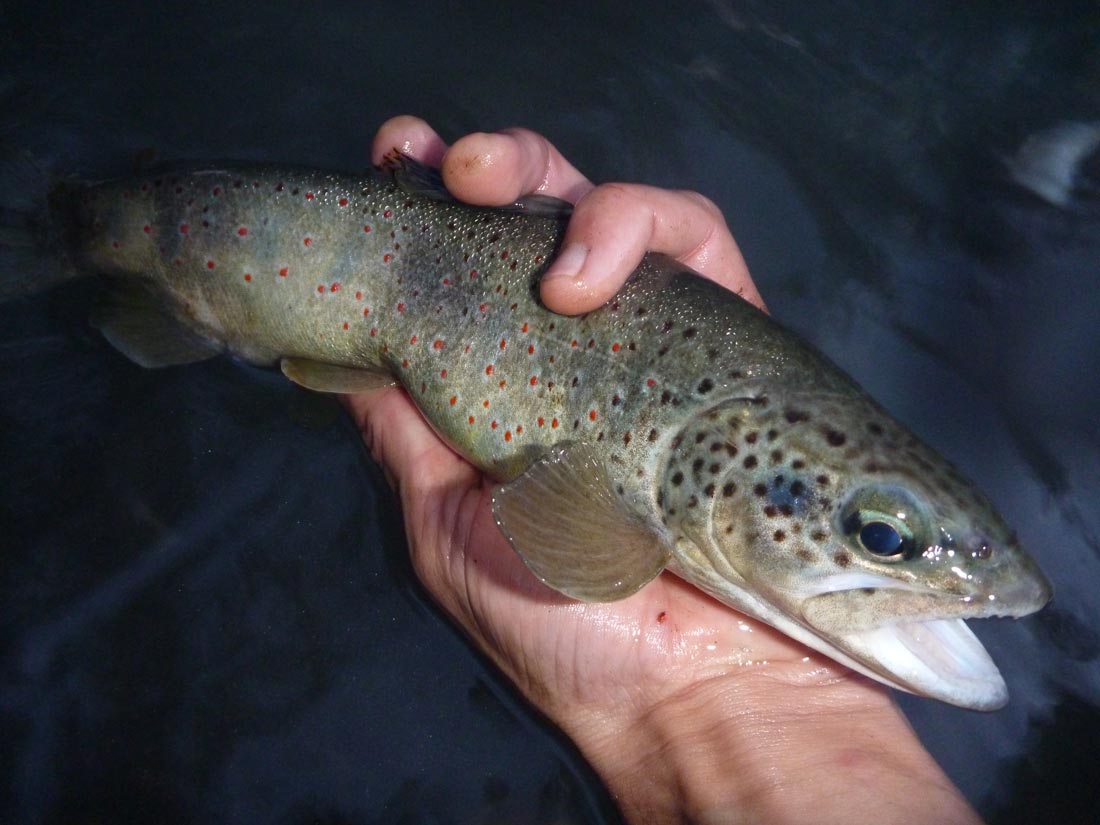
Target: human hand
<point x="684" y="706"/>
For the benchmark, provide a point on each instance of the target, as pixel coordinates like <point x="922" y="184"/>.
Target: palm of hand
<point x="636" y="652"/>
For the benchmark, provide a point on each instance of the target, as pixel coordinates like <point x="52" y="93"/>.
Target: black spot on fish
<point x="795" y="416"/>
<point x="652" y="435"/>
<point x="677" y="479"/>
<point x="819" y="536"/>
<point x="666" y="396"/>
<point x="835" y="438"/>
<point x="699" y="437"/>
<point x="797" y="488"/>
<point x="714" y="468"/>
<point x="779" y="535"/>
<point x="804" y="554"/>
<point x="667" y="327"/>
<point x="874" y="428"/>
<point x="697" y="465"/>
<point x="705" y="386"/>
<point x="770" y="511"/>
<point x="760" y="490"/>
<point x="689" y="332"/>
<point x="822" y="480"/>
<point x="692" y="502"/>
<point x="708" y="491"/>
<point x="750" y="438"/>
<point x="728" y="489"/>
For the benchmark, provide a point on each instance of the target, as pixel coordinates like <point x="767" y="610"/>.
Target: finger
<point x="401" y="441"/>
<point x="616" y="224"/>
<point x="493" y="169"/>
<point x="410" y="136"/>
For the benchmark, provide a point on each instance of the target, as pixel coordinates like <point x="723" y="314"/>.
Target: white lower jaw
<point x="940" y="658"/>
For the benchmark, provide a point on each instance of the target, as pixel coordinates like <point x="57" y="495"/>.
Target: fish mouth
<point x="917" y="640"/>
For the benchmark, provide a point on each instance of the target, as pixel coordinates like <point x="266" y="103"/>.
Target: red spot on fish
<point x="534" y="380"/>
<point x="531" y="350"/>
<point x="524" y="329"/>
<point x="405" y="363"/>
<point x="485" y="403"/>
<point x="502" y="383"/>
<point x="335" y="287"/>
<point x="248" y="276"/>
<point x="454" y="400"/>
<point x="573" y="344"/>
<point x="307" y="241"/>
<point x="591" y="415"/>
<point x="538" y="259"/>
<point x="184" y="228"/>
<point x="309" y="196"/>
<point x="217" y="191"/>
<point x="507" y="435"/>
<point x="358" y="296"/>
<point x="412" y="340"/>
<point x="650" y="382"/>
<point x="591" y="343"/>
<point x="489" y="370"/>
<point x="503" y="343"/>
<point x="473" y="273"/>
<point x="400" y="307"/>
<point x="470" y="419"/>
<point x="554" y="424"/>
<point x="373" y="332"/>
<point x="366" y="227"/>
<point x="616" y="347"/>
<point x="443" y="373"/>
<point x="661" y="617"/>
<point x="283" y="272"/>
<point x="504" y="255"/>
<point x="387" y="258"/>
<point x="493" y="425"/>
<point x="366" y="311"/>
<point x="437" y="344"/>
<point x="147" y="229"/>
<point x="481" y="307"/>
<point x="519" y="429"/>
<point x="343" y="201"/>
<point x="115" y="244"/>
<point x="345" y="324"/>
<point x="321" y="288"/>
<point x="446" y="282"/>
<point x="178" y="261"/>
<point x="541" y="420"/>
<point x="388" y="213"/>
<point x="242" y="231"/>
<point x="209" y="264"/>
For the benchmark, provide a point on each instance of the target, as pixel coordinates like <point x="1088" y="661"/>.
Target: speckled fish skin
<point x="740" y="457"/>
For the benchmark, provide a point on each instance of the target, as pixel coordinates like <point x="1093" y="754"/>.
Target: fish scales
<point x="675" y="427"/>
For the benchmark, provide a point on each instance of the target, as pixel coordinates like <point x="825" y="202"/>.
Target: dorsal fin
<point x="418" y="178"/>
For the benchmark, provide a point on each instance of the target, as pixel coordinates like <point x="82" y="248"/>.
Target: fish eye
<point x="884" y="522"/>
<point x="881" y="538"/>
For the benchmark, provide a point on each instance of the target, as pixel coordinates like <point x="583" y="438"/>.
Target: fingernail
<point x="568" y="262"/>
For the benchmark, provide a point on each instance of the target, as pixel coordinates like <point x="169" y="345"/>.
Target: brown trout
<point x="676" y="428"/>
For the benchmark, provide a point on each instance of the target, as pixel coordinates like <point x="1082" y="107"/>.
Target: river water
<point x="206" y="609"/>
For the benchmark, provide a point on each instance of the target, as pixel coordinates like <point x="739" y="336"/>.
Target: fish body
<point x="676" y="427"/>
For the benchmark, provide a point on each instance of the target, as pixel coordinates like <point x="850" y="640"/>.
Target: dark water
<point x="206" y="609"/>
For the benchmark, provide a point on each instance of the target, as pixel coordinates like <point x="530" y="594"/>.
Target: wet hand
<point x="685" y="707"/>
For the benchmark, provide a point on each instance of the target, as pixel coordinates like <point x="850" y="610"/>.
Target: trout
<point x="675" y="428"/>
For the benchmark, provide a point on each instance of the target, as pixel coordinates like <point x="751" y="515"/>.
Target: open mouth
<point x="915" y="639"/>
<point x="940" y="658"/>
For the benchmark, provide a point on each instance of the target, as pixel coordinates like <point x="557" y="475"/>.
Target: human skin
<point x="689" y="711"/>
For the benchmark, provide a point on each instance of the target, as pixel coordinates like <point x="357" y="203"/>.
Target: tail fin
<point x="31" y="253"/>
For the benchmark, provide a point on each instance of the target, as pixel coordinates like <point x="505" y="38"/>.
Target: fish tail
<point x="32" y="255"/>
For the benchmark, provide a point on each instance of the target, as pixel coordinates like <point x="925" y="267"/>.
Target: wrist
<point x="742" y="748"/>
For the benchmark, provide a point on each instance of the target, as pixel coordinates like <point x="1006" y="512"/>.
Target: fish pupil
<point x="881" y="538"/>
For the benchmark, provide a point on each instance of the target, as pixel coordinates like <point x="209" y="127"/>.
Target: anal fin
<point x="570" y="527"/>
<point x="321" y="377"/>
<point x="138" y="324"/>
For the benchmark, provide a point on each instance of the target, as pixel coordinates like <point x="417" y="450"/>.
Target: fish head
<point x="830" y="521"/>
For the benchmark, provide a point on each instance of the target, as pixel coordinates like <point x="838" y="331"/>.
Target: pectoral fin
<point x="315" y="375"/>
<point x="574" y="531"/>
<point x="139" y="326"/>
